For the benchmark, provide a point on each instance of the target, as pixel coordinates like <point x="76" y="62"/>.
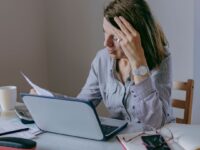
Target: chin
<point x="113" y="56"/>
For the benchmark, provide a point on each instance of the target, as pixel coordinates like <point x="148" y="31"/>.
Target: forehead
<point x="107" y="27"/>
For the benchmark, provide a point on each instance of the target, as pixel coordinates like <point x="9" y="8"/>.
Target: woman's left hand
<point x="130" y="42"/>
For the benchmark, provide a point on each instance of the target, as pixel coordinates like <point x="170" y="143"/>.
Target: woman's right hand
<point x="33" y="92"/>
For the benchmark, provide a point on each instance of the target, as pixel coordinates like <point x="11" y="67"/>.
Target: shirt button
<point x="134" y="96"/>
<point x="133" y="91"/>
<point x="133" y="107"/>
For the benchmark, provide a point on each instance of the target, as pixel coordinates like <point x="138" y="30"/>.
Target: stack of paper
<point x="187" y="136"/>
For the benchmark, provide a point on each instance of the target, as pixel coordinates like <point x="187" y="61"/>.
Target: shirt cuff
<point x="143" y="89"/>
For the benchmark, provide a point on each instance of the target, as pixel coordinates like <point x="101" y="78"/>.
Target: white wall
<point x="196" y="104"/>
<point x="22" y="42"/>
<point x="180" y="22"/>
<point x="177" y="19"/>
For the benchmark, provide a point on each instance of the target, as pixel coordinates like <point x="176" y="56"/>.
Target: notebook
<point x="70" y="116"/>
<point x="185" y="137"/>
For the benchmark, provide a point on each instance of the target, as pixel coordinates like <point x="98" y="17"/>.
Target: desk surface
<point x="186" y="135"/>
<point x="50" y="141"/>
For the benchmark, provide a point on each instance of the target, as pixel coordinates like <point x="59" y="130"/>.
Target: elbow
<point x="156" y="120"/>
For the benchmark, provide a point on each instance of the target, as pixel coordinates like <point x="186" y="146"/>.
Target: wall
<point x="177" y="19"/>
<point x="196" y="104"/>
<point x="22" y="42"/>
<point x="180" y="21"/>
<point x="74" y="36"/>
<point x="64" y="34"/>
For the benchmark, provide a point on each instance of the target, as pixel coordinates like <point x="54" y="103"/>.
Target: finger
<point x="128" y="26"/>
<point x="32" y="91"/>
<point x="119" y="34"/>
<point x="122" y="26"/>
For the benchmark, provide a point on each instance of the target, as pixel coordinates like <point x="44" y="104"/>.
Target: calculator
<point x="23" y="114"/>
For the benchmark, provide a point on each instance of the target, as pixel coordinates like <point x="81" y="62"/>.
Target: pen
<point x="14" y="131"/>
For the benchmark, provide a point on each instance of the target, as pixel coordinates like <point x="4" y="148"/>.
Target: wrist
<point x="142" y="70"/>
<point x="135" y="64"/>
<point x="137" y="61"/>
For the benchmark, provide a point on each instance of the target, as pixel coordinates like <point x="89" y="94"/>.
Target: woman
<point x="132" y="75"/>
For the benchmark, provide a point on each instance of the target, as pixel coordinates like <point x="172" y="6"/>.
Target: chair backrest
<point x="185" y="104"/>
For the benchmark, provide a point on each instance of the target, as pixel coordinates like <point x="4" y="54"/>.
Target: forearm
<point x="135" y="63"/>
<point x="148" y="104"/>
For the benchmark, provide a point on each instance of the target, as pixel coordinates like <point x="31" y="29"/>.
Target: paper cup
<point x="8" y="97"/>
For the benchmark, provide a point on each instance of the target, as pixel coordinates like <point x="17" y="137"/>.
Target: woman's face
<point x="110" y="41"/>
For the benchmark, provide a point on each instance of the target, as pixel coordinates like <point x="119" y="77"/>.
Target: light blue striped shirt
<point x="148" y="102"/>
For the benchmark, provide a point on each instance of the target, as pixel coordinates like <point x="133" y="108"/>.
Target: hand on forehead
<point x="126" y="29"/>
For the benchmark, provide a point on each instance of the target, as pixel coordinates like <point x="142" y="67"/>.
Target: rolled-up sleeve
<point x="152" y="97"/>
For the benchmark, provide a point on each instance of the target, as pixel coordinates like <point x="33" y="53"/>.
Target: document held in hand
<point x="39" y="90"/>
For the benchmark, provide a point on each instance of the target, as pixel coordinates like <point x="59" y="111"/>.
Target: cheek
<point x="108" y="41"/>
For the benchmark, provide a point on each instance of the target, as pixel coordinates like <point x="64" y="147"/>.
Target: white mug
<point x="8" y="97"/>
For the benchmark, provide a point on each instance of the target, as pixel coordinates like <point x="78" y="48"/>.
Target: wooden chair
<point x="186" y="103"/>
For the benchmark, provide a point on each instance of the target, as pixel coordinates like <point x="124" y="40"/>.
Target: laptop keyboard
<point x="108" y="129"/>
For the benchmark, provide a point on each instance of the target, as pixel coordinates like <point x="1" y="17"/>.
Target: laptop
<point x="70" y="116"/>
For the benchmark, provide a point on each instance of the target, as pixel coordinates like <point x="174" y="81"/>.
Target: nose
<point x="108" y="41"/>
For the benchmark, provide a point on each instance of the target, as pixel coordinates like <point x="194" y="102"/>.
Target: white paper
<point x="15" y="124"/>
<point x="6" y="127"/>
<point x="185" y="137"/>
<point x="38" y="90"/>
<point x="134" y="144"/>
<point x="188" y="136"/>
